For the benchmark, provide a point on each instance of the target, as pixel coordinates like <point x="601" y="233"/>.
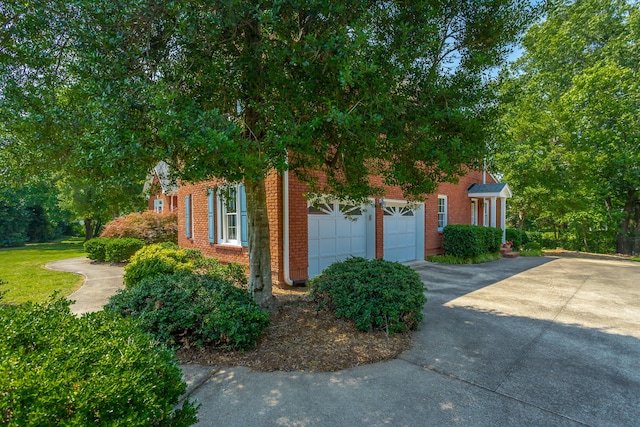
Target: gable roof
<point x="500" y="189"/>
<point x="161" y="170"/>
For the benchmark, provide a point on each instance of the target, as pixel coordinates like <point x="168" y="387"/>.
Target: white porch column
<point x="503" y="218"/>
<point x="493" y="212"/>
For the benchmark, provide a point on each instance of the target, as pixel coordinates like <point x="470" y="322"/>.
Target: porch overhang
<point x="485" y="191"/>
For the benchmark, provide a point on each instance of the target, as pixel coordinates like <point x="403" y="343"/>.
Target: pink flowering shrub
<point x="149" y="226"/>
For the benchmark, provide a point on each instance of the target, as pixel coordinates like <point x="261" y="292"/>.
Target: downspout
<point x="285" y="227"/>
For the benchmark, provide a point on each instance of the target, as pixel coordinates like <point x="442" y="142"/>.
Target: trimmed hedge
<point x="375" y="294"/>
<point x="112" y="249"/>
<point x="100" y="369"/>
<point x="193" y="309"/>
<point x="470" y="241"/>
<point x="97" y="248"/>
<point x="167" y="258"/>
<point x="120" y="250"/>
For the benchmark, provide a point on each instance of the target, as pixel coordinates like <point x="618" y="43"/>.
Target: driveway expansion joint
<point x="492" y="390"/>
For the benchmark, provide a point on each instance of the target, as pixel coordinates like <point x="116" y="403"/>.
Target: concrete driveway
<point x="518" y="342"/>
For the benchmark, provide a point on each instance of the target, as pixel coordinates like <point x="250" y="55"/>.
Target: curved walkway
<point x="526" y="341"/>
<point x="101" y="281"/>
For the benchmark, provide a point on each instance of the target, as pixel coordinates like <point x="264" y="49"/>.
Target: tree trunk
<point x="88" y="229"/>
<point x="260" y="281"/>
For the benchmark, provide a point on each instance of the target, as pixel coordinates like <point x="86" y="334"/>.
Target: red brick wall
<point x="298" y="230"/>
<point x="170" y="201"/>
<point x="459" y="212"/>
<point x="458" y="209"/>
<point x="200" y="225"/>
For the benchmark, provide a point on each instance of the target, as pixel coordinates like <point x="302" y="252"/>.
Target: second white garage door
<point x="403" y="233"/>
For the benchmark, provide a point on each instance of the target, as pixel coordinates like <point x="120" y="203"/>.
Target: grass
<point x="531" y="252"/>
<point x="635" y="259"/>
<point x="26" y="278"/>
<point x="450" y="259"/>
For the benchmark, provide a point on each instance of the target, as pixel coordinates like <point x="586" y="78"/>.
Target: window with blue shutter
<point x="244" y="226"/>
<point x="187" y="216"/>
<point x="211" y="216"/>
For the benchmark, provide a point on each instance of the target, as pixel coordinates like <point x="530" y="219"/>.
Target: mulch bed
<point x="303" y="339"/>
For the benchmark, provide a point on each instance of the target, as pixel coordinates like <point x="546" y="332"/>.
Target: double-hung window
<point x="158" y="205"/>
<point x="442" y="212"/>
<point x="232" y="216"/>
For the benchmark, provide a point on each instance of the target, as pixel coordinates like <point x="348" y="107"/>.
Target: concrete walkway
<point x="101" y="281"/>
<point x="526" y="341"/>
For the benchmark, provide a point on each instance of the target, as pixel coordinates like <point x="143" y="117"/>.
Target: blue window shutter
<point x="187" y="216"/>
<point x="211" y="196"/>
<point x="244" y="227"/>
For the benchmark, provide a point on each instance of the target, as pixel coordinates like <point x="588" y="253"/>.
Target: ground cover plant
<point x="152" y="227"/>
<point x="188" y="309"/>
<point x="452" y="259"/>
<point x="99" y="369"/>
<point x="26" y="278"/>
<point x="375" y="294"/>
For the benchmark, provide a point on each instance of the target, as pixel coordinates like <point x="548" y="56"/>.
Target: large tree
<point x="571" y="149"/>
<point x="238" y="89"/>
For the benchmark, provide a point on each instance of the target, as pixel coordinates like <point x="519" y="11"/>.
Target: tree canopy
<point x="237" y="89"/>
<point x="571" y="146"/>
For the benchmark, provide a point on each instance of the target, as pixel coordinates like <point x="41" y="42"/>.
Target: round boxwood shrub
<point x="100" y="369"/>
<point x="194" y="309"/>
<point x="375" y="294"/>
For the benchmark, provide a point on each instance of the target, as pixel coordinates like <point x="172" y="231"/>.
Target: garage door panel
<point x="313" y="229"/>
<point x="327" y="228"/>
<point x="327" y="246"/>
<point x="314" y="248"/>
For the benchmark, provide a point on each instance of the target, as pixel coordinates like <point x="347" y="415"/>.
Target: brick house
<point x="162" y="193"/>
<point x="307" y="236"/>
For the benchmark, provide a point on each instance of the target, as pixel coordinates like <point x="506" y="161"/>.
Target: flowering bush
<point x="152" y="227"/>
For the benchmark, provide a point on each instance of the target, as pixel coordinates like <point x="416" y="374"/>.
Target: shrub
<point x="517" y="237"/>
<point x="533" y="246"/>
<point x="192" y="308"/>
<point x="156" y="259"/>
<point x="470" y="241"/>
<point x="152" y="227"/>
<point x="375" y="294"/>
<point x="100" y="369"/>
<point x="120" y="250"/>
<point x="97" y="248"/>
<point x="167" y="258"/>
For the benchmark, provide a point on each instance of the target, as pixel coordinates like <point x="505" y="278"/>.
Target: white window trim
<point x="158" y="205"/>
<point x="445" y="214"/>
<point x="223" y="216"/>
<point x="474" y="211"/>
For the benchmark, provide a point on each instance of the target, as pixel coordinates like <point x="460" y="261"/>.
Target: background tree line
<point x="569" y="135"/>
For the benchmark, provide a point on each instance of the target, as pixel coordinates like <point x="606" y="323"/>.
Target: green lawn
<point x="28" y="280"/>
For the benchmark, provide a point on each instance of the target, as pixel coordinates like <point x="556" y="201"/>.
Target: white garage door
<point x="334" y="236"/>
<point x="401" y="235"/>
